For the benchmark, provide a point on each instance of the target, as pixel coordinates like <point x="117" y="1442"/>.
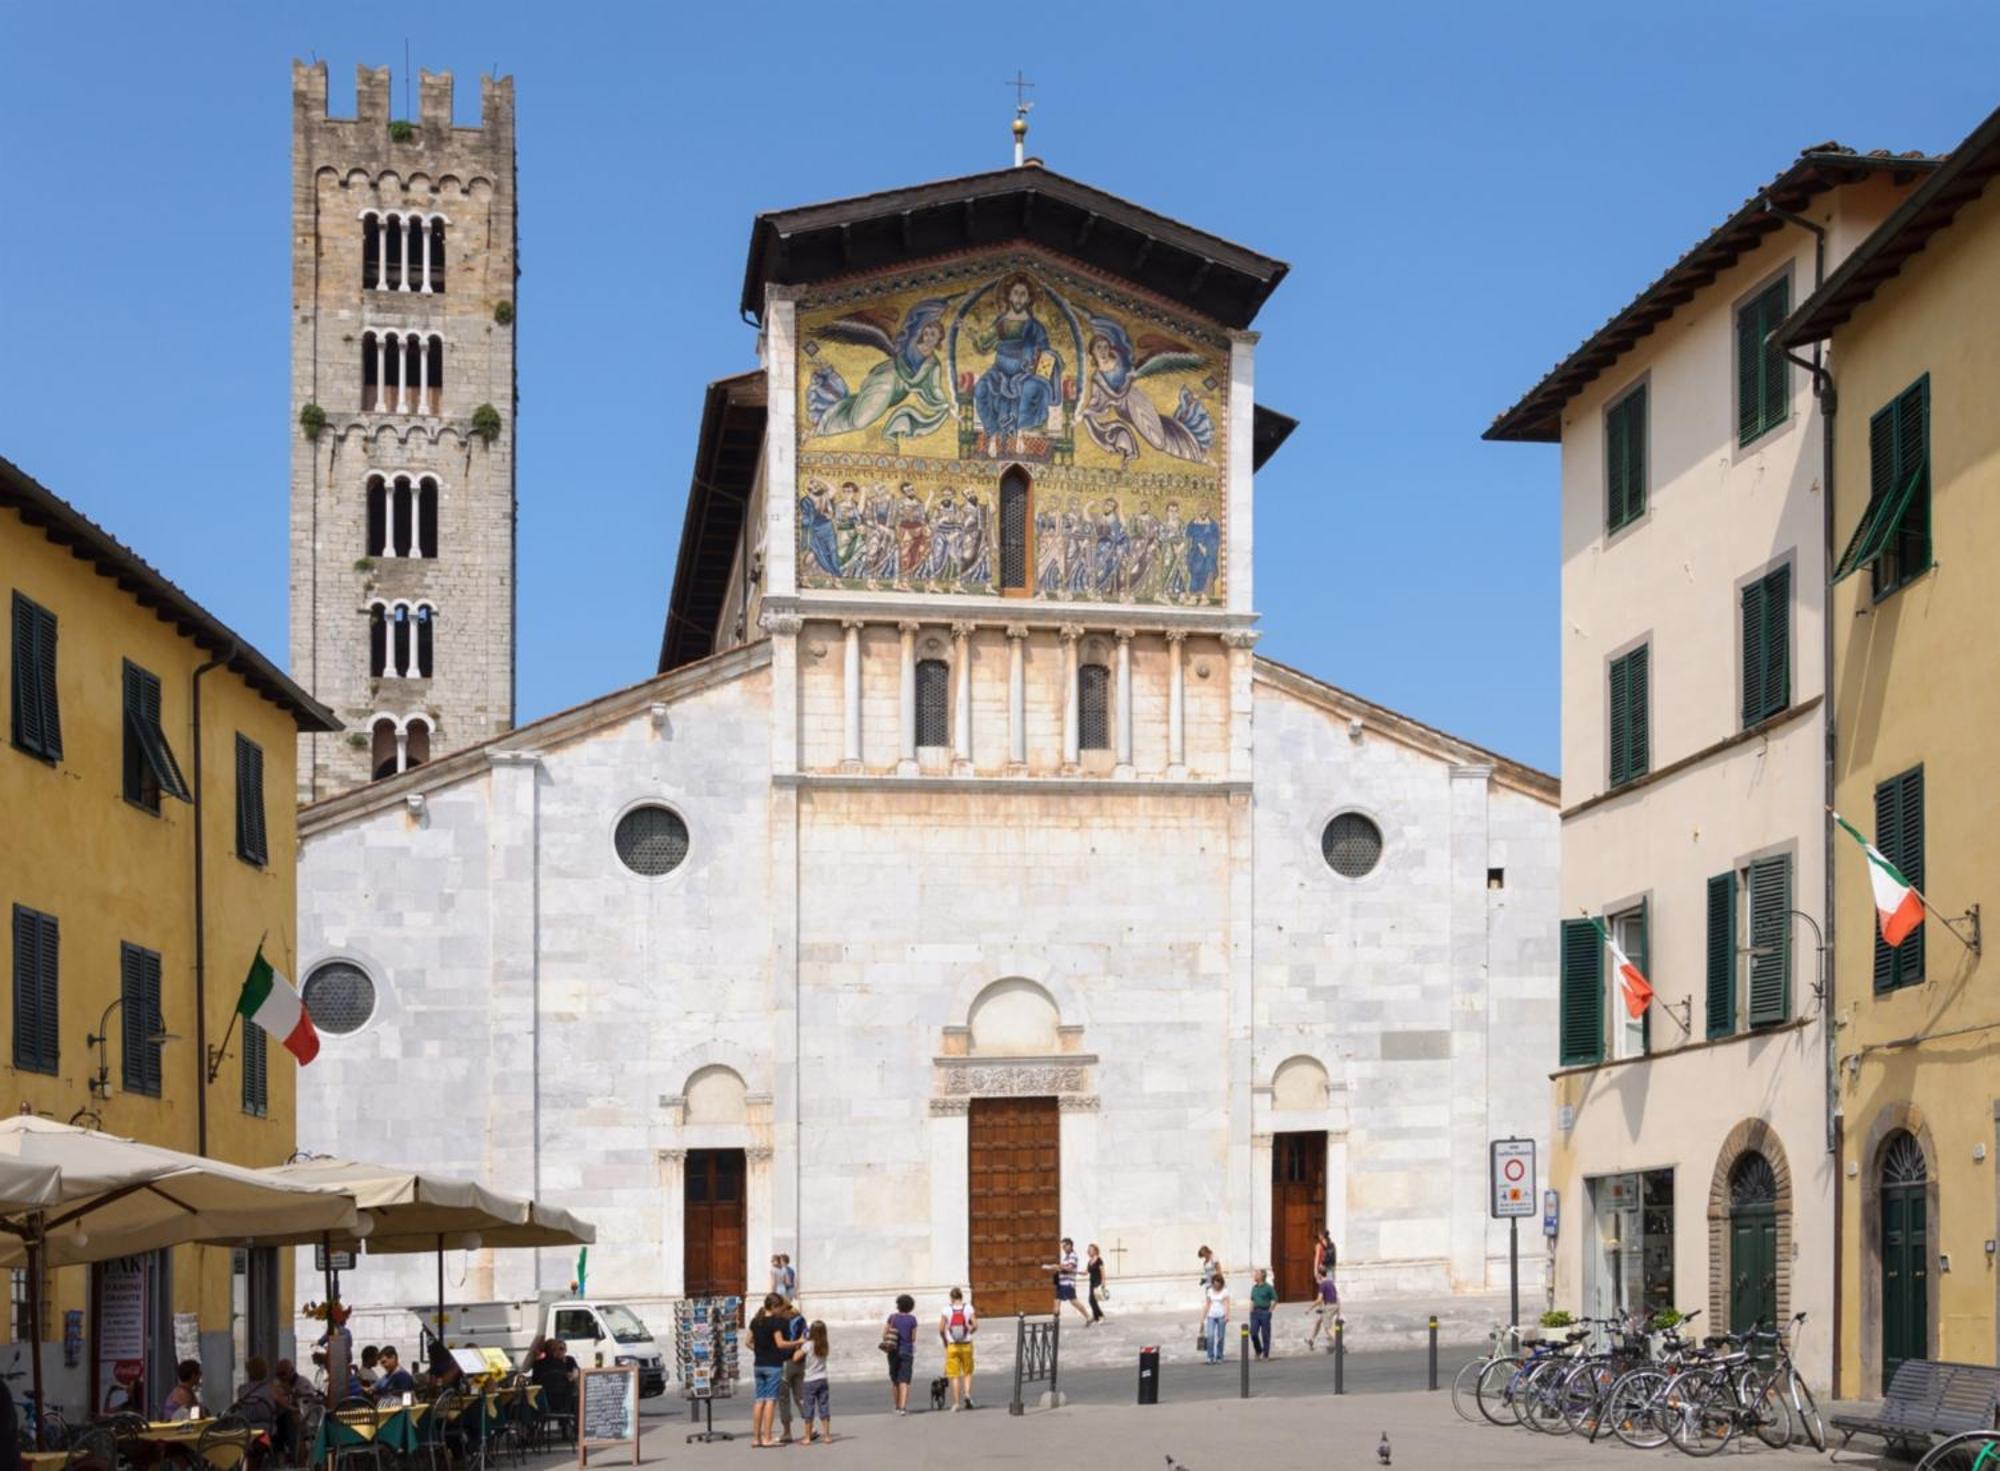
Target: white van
<point x="598" y="1333"/>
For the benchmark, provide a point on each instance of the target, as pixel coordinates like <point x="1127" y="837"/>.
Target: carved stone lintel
<point x="1017" y="630"/>
<point x="1241" y="638"/>
<point x="947" y="1106"/>
<point x="1124" y="635"/>
<point x="782" y="624"/>
<point x="974" y="1078"/>
<point x="1069" y="632"/>
<point x="960" y="628"/>
<point x="1176" y="635"/>
<point x="1077" y="1103"/>
<point x="758" y="1152"/>
<point x="907" y="625"/>
<point x="671" y="1156"/>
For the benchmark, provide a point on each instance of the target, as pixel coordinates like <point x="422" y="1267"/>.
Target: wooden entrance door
<point x="713" y="1260"/>
<point x="1298" y="1210"/>
<point x="1753" y="1244"/>
<point x="1905" y="1254"/>
<point x="1015" y="1180"/>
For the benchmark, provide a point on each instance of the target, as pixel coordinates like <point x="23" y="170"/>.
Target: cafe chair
<point x="438" y="1430"/>
<point x="96" y="1449"/>
<point x="225" y="1444"/>
<point x="309" y="1415"/>
<point x="363" y="1419"/>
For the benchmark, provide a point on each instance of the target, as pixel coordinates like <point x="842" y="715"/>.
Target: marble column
<point x="1176" y="702"/>
<point x="906" y="739"/>
<point x="850" y="745"/>
<point x="1124" y="737"/>
<point x="1072" y="735"/>
<point x="961" y="703"/>
<point x="1017" y="696"/>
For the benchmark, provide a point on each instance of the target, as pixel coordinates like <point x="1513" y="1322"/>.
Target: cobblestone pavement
<point x="1269" y="1433"/>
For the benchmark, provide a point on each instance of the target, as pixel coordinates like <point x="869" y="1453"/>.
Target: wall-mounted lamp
<point x="100" y="1086"/>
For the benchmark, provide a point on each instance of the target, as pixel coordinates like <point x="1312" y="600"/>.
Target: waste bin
<point x="1149" y="1376"/>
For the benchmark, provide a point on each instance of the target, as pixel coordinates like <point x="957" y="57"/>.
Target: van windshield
<point x="624" y="1324"/>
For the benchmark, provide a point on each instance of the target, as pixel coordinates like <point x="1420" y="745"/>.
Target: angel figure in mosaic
<point x="1116" y="411"/>
<point x="908" y="386"/>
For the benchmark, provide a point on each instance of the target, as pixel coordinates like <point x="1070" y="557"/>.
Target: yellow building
<point x="1913" y="319"/>
<point x="147" y="781"/>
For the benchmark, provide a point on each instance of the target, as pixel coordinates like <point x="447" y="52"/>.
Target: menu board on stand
<point x="607" y="1410"/>
<point x="705" y="1334"/>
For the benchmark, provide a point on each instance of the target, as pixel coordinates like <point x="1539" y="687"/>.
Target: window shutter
<point x="1722" y="954"/>
<point x="1614" y="468"/>
<point x="1749" y="363"/>
<point x="1581" y="1028"/>
<point x="27" y="710"/>
<point x="1777" y="371"/>
<point x="1641" y="955"/>
<point x="47" y="1013"/>
<point x="45" y="684"/>
<point x="150" y="971"/>
<point x="1777" y="641"/>
<point x="36" y="942"/>
<point x="256" y="1070"/>
<point x="1625" y="460"/>
<point x="131" y="982"/>
<point x="1638" y="753"/>
<point x="1899" y="833"/>
<point x="1770" y="940"/>
<point x="250" y="833"/>
<point x="1621" y="721"/>
<point x="1755" y="657"/>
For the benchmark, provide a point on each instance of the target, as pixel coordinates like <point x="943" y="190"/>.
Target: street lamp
<point x="100" y="1086"/>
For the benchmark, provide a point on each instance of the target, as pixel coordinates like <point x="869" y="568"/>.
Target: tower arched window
<point x="1016" y="532"/>
<point x="382" y="757"/>
<point x="416" y="742"/>
<point x="398" y="745"/>
<point x="933" y="702"/>
<point x="399" y="641"/>
<point x="427" y="517"/>
<point x="402" y="516"/>
<point x="402" y="251"/>
<point x="401" y="372"/>
<point x="371" y="251"/>
<point x="1093" y="707"/>
<point x="378" y="516"/>
<point x="424" y="622"/>
<point x="379" y="620"/>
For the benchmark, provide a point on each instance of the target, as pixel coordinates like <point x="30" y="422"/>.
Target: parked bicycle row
<point x="1646" y="1382"/>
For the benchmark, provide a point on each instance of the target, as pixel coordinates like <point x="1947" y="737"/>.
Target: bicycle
<point x="1724" y="1394"/>
<point x="1465" y="1383"/>
<point x="1804" y="1408"/>
<point x="1504" y="1379"/>
<point x="1969" y="1450"/>
<point x="41" y="1428"/>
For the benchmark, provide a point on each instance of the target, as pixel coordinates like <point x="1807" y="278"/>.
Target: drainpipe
<point x="1829" y="404"/>
<point x="200" y="927"/>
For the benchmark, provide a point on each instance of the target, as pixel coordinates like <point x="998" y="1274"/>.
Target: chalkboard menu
<point x="607" y="1410"/>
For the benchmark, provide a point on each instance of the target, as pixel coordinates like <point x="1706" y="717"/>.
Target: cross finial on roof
<point x="1020" y="84"/>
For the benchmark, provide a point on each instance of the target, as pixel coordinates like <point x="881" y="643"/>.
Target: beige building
<point x="1909" y="319"/>
<point x="1691" y="1143"/>
<point x="402" y="536"/>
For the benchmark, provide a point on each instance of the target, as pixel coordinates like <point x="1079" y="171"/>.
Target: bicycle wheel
<point x="1970" y="1450"/>
<point x="1632" y="1409"/>
<point x="1465" y="1388"/>
<point x="1583" y="1395"/>
<point x="1805" y="1412"/>
<point x="1701" y="1413"/>
<point x="1772" y="1412"/>
<point x="1540" y="1400"/>
<point x="1494" y="1392"/>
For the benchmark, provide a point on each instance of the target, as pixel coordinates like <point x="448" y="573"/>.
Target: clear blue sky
<point x="1463" y="191"/>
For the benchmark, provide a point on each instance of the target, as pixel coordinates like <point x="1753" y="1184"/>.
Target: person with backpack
<point x="956" y="1326"/>
<point x="899" y="1346"/>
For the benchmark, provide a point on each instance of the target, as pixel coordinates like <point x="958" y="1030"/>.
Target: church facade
<point x="963" y="878"/>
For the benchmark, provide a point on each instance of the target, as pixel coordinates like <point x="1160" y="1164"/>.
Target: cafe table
<point x="394" y="1426"/>
<point x="44" y="1460"/>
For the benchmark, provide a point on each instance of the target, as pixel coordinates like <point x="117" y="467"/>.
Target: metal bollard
<point x="1434" y="1351"/>
<point x="1015" y="1406"/>
<point x="1339" y="1356"/>
<point x="1243" y="1353"/>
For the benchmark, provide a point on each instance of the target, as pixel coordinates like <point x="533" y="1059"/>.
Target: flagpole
<point x="1949" y="922"/>
<point x="221" y="1049"/>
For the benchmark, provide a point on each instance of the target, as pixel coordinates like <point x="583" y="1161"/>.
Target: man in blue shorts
<point x="1065" y="1268"/>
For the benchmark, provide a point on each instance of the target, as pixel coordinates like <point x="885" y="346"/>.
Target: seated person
<point x="184" y="1399"/>
<point x="367" y="1374"/>
<point x="265" y="1406"/>
<point x="395" y="1381"/>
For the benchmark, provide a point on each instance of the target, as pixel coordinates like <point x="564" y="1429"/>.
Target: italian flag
<point x="1633" y="986"/>
<point x="269" y="1000"/>
<point x="1898" y="906"/>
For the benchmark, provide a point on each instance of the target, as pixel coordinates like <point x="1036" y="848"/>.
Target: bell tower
<point x="404" y="235"/>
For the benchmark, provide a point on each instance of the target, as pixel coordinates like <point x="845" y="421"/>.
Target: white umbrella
<point x="97" y="1196"/>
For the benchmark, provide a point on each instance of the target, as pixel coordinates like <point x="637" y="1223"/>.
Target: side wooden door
<point x="1298" y="1210"/>
<point x="714" y="1235"/>
<point x="1015" y="1206"/>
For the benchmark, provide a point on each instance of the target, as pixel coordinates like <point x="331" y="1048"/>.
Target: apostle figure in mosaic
<point x="908" y="386"/>
<point x="975" y="542"/>
<point x="942" y="563"/>
<point x="1204" y="553"/>
<point x="1108" y="576"/>
<point x="816" y="527"/>
<point x="1079" y="549"/>
<point x="913" y="533"/>
<point x="847" y="534"/>
<point x="1048" y="551"/>
<point x="1014" y="395"/>
<point x="878" y="532"/>
<point x="1116" y="412"/>
<point x="1173" y="555"/>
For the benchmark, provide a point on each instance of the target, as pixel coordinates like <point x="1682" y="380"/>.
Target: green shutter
<point x="256" y="1070"/>
<point x="1641" y="955"/>
<point x="37" y="722"/>
<point x="1722" y="954"/>
<point x="1631" y="746"/>
<point x="1581" y="1027"/>
<point x="1770" y="940"/>
<point x="1894" y="533"/>
<point x="37" y="941"/>
<point x="1899" y="834"/>
<point x="1754" y="656"/>
<point x="140" y="1018"/>
<point x="251" y="845"/>
<point x="1619" y="716"/>
<point x="1625" y="460"/>
<point x="1763" y="376"/>
<point x="1766" y="645"/>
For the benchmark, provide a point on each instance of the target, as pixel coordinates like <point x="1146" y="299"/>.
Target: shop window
<point x="1629" y="1244"/>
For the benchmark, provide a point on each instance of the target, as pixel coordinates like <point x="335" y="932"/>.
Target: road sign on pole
<point x="1510" y="1172"/>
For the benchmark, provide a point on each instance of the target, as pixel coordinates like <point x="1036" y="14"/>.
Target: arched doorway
<point x="1753" y="1243"/>
<point x="1905" y="1178"/>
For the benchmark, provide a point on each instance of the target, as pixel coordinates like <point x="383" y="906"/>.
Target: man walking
<point x="956" y="1325"/>
<point x="1263" y="1298"/>
<point x="1065" y="1268"/>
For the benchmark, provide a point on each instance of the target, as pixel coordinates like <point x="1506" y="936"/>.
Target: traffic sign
<point x="1511" y="1176"/>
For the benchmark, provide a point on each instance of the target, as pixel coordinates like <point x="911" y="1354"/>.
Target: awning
<point x="1878" y="523"/>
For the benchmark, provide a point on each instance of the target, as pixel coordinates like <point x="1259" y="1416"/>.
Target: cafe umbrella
<point x="115" y="1197"/>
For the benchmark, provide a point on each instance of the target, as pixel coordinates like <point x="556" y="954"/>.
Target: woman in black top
<point x="770" y="1358"/>
<point x="1096" y="1269"/>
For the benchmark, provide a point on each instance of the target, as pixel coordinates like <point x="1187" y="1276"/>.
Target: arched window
<point x="436" y="254"/>
<point x="371" y="251"/>
<point x="434" y="393"/>
<point x="372" y="368"/>
<point x="1016" y="521"/>
<point x="399" y="641"/>
<point x="378" y="516"/>
<point x="378" y="641"/>
<point x="425" y="632"/>
<point x="416" y="743"/>
<point x="382" y="760"/>
<point x="933" y="702"/>
<point x="400" y="517"/>
<point x="427" y="517"/>
<point x="1093" y="707"/>
<point x="402" y="373"/>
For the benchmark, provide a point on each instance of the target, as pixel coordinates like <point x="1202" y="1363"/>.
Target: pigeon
<point x="1173" y="1465"/>
<point x="1382" y="1450"/>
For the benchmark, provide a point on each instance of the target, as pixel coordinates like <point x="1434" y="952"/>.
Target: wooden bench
<point x="1929" y="1398"/>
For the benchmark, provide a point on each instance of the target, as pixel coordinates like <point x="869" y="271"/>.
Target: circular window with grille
<point x="339" y="997"/>
<point x="652" y="840"/>
<point x="1351" y="845"/>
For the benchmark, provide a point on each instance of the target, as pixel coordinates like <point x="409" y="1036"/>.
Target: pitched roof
<point x="1223" y="281"/>
<point x="727" y="450"/>
<point x="63" y="524"/>
<point x="1930" y="207"/>
<point x="1537" y="417"/>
